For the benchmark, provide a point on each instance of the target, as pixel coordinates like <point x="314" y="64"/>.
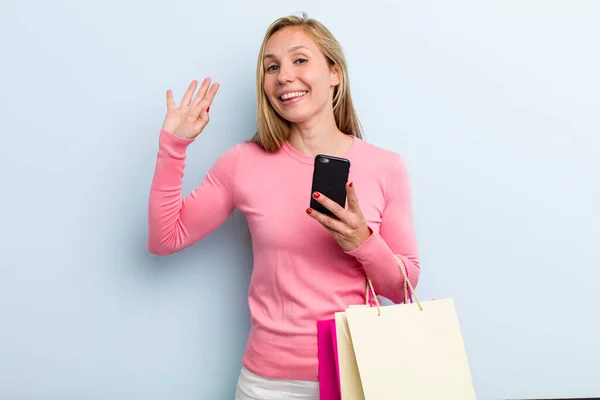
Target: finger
<point x="352" y="199"/>
<point x="210" y="96"/>
<point x="332" y="206"/>
<point x="187" y="97"/>
<point x="332" y="224"/>
<point x="201" y="122"/>
<point x="201" y="111"/>
<point x="201" y="92"/>
<point x="170" y="101"/>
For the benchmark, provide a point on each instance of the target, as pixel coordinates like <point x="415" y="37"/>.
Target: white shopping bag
<point x="403" y="351"/>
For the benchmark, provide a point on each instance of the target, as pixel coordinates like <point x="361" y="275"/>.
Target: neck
<point x="319" y="136"/>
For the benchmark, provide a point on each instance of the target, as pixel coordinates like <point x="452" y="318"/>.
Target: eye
<point x="271" y="68"/>
<point x="301" y="60"/>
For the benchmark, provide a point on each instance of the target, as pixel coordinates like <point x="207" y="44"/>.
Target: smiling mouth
<point x="292" y="96"/>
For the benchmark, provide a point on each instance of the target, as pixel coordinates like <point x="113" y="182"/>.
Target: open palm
<point x="189" y="119"/>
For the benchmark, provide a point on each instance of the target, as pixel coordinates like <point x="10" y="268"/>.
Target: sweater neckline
<point x="305" y="159"/>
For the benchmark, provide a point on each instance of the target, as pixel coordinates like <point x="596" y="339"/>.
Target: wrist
<point x="172" y="145"/>
<point x="362" y="237"/>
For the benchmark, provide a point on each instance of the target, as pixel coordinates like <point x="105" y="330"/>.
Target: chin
<point x="296" y="118"/>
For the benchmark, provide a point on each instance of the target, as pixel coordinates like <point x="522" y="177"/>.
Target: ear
<point x="335" y="75"/>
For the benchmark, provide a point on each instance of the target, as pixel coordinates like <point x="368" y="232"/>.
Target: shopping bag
<point x="349" y="378"/>
<point x="408" y="351"/>
<point x="329" y="342"/>
<point x="329" y="388"/>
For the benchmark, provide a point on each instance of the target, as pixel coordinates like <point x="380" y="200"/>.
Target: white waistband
<point x="254" y="387"/>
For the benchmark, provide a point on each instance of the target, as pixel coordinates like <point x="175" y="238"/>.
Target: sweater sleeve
<point x="396" y="236"/>
<point x="176" y="222"/>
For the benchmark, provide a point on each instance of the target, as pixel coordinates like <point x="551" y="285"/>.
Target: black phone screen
<point x="330" y="176"/>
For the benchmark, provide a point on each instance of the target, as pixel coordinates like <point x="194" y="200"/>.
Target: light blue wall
<point x="494" y="107"/>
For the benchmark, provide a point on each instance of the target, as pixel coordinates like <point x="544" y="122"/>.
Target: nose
<point x="286" y="74"/>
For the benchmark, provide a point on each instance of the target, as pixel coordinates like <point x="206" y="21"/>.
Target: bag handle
<point x="407" y="285"/>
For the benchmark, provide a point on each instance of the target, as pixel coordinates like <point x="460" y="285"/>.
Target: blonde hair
<point x="272" y="129"/>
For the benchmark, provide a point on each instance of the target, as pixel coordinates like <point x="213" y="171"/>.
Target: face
<point x="299" y="82"/>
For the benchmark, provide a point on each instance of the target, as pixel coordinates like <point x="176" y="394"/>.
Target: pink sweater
<point x="300" y="273"/>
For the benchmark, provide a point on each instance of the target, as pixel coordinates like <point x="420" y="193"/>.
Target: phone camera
<point x="324" y="160"/>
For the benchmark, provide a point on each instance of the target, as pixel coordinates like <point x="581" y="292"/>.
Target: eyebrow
<point x="290" y="50"/>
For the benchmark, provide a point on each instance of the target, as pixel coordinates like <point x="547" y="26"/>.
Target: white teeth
<point x="288" y="96"/>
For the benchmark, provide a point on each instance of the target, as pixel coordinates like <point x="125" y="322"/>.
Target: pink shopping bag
<point x="329" y="372"/>
<point x="329" y="378"/>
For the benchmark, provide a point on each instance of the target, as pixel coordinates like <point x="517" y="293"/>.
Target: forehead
<point x="282" y="41"/>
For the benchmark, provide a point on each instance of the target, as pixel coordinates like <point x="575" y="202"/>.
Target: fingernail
<point x="316" y="195"/>
<point x="308" y="210"/>
<point x="350" y="184"/>
<point x="208" y="109"/>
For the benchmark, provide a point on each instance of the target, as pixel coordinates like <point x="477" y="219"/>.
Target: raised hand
<point x="189" y="119"/>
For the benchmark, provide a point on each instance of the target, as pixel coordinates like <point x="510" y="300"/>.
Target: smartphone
<point x="330" y="176"/>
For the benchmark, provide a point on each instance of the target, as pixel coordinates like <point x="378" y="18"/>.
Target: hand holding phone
<point x="330" y="176"/>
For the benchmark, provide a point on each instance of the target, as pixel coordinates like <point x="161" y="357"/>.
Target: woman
<point x="307" y="266"/>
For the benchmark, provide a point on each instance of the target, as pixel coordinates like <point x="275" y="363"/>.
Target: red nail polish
<point x="350" y="184"/>
<point x="308" y="210"/>
<point x="208" y="109"/>
<point x="316" y="195"/>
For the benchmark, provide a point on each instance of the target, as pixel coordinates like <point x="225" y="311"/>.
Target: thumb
<point x="204" y="116"/>
<point x="201" y="112"/>
<point x="203" y="120"/>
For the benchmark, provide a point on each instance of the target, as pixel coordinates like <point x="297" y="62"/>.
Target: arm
<point x="175" y="222"/>
<point x="396" y="237"/>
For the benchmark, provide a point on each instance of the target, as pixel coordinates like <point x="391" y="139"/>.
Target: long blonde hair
<point x="272" y="129"/>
